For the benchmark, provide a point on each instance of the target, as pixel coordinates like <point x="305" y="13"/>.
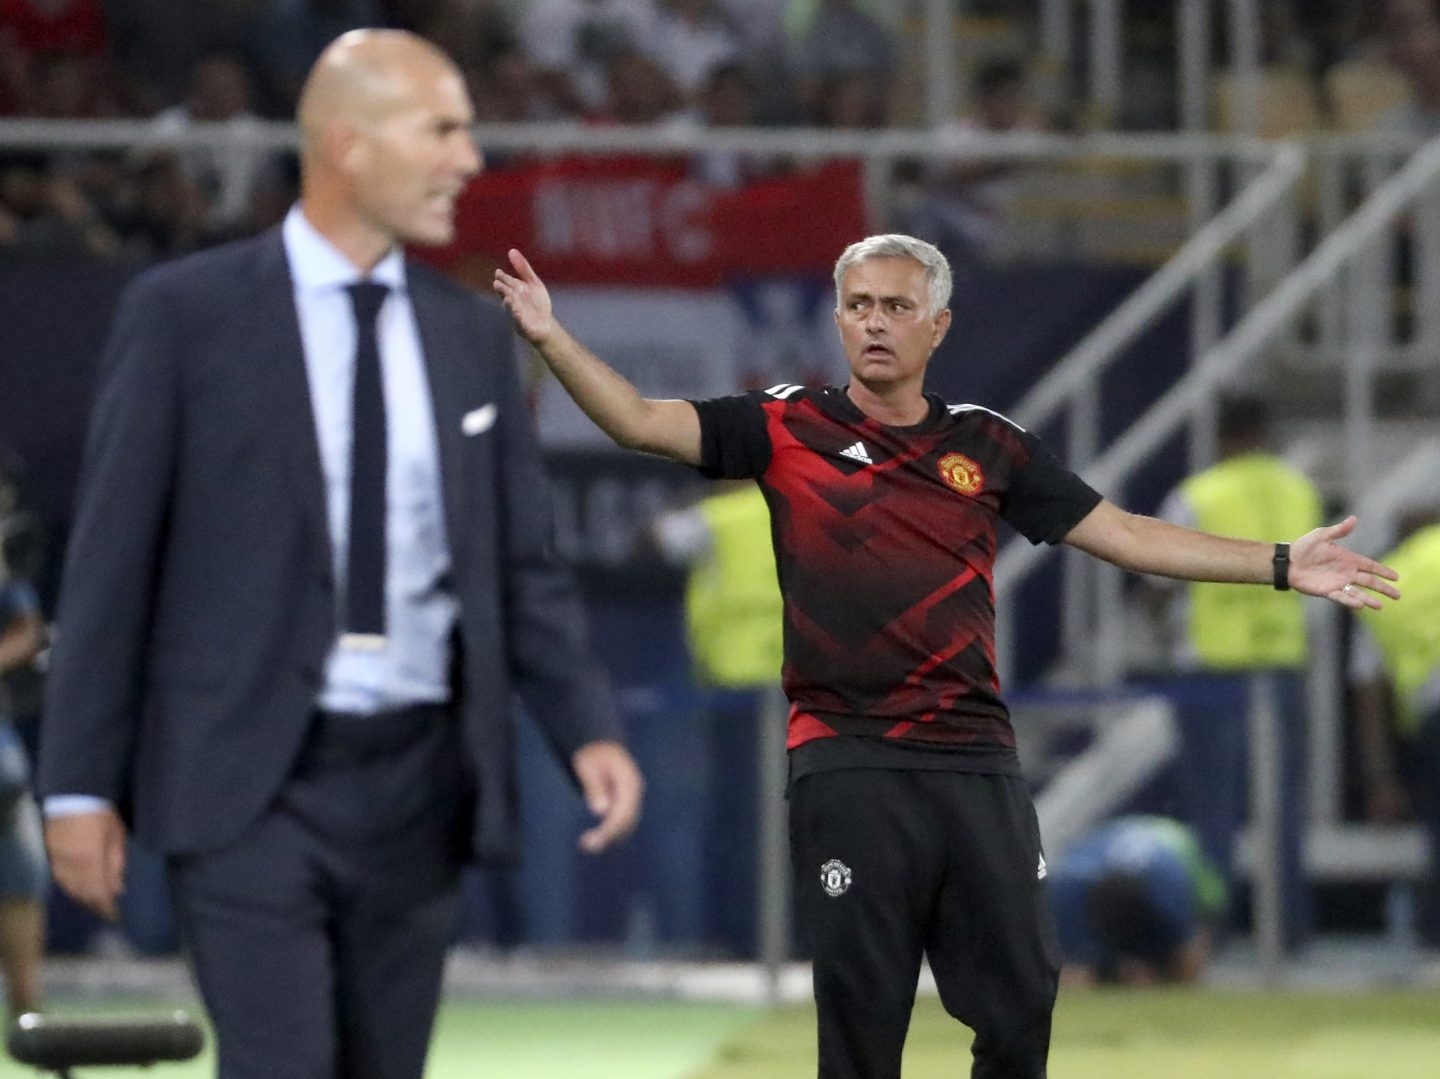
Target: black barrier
<point x="59" y="1043"/>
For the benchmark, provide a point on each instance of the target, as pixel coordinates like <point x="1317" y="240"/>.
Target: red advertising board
<point x="646" y="222"/>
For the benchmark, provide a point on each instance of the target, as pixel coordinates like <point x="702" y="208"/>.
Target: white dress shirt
<point x="413" y="666"/>
<point x="420" y="611"/>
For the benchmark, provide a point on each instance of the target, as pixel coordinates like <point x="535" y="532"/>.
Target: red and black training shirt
<point x="885" y="541"/>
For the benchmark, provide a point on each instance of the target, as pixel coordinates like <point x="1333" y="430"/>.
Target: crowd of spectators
<point x="706" y="63"/>
<point x="240" y="62"/>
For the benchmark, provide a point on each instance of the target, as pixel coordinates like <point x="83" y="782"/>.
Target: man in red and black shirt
<point x="912" y="833"/>
<point x="885" y="543"/>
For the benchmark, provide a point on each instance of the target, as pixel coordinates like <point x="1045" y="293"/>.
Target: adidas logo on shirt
<point x="857" y="452"/>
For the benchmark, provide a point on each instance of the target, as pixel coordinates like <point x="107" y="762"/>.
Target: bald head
<point x="364" y="76"/>
<point x="386" y="145"/>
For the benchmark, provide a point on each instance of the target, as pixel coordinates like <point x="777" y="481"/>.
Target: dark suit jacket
<point x="198" y="603"/>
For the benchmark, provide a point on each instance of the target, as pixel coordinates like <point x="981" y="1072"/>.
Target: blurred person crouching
<point x="1136" y="902"/>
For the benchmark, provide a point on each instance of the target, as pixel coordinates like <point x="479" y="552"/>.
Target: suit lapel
<point x="443" y="338"/>
<point x="279" y="363"/>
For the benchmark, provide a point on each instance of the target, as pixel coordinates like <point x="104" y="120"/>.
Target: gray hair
<point x="895" y="245"/>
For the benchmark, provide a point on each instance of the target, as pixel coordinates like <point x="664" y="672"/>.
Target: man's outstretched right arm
<point x="669" y="428"/>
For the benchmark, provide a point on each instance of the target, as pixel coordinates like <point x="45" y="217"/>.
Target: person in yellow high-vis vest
<point x="1395" y="668"/>
<point x="734" y="628"/>
<point x="1221" y="637"/>
<point x="733" y="611"/>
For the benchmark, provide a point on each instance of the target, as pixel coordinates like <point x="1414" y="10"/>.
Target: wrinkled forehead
<point x="885" y="275"/>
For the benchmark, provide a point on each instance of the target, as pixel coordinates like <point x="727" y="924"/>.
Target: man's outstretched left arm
<point x="1319" y="566"/>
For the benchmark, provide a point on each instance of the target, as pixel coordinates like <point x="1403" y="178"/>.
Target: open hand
<point x="1321" y="567"/>
<point x="527" y="299"/>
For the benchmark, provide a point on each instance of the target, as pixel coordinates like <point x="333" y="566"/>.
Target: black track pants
<point x="891" y="865"/>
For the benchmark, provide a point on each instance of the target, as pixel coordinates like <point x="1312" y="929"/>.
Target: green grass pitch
<point x="1174" y="1034"/>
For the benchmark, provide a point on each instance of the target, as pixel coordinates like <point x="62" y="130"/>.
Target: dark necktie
<point x="365" y="579"/>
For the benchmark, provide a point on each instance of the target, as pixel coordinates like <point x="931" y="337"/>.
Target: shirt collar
<point x="316" y="265"/>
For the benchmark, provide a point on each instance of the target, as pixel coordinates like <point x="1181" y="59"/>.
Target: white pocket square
<point x="478" y="419"/>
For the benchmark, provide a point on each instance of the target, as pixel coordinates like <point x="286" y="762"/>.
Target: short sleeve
<point x="1046" y="500"/>
<point x="734" y="436"/>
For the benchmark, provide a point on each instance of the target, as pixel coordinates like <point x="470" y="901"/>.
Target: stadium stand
<point x="1093" y="217"/>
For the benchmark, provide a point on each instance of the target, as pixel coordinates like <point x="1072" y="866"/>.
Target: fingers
<point x="513" y="287"/>
<point x="1367" y="587"/>
<point x="1366" y="582"/>
<point x="612" y="788"/>
<point x="619" y="810"/>
<point x="1355" y="597"/>
<point x="1377" y="583"/>
<point x="522" y="266"/>
<point x="610" y="829"/>
<point x="1341" y="529"/>
<point x="504" y="283"/>
<point x="1379" y="569"/>
<point x="87" y="858"/>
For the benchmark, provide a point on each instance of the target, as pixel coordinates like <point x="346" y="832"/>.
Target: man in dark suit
<point x="310" y="567"/>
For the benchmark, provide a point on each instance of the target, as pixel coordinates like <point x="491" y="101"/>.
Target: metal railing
<point x="876" y="148"/>
<point x="554" y="137"/>
<point x="1347" y="260"/>
<point x="1073" y="385"/>
<point x="1354" y="249"/>
<point x="1409" y="333"/>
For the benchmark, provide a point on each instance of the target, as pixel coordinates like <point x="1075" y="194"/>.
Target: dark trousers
<point x="318" y="939"/>
<point x="891" y="865"/>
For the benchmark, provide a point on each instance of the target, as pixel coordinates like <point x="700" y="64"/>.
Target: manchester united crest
<point x="962" y="473"/>
<point x="835" y="878"/>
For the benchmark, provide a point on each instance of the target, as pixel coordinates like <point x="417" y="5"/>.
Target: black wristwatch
<point x="1281" y="566"/>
